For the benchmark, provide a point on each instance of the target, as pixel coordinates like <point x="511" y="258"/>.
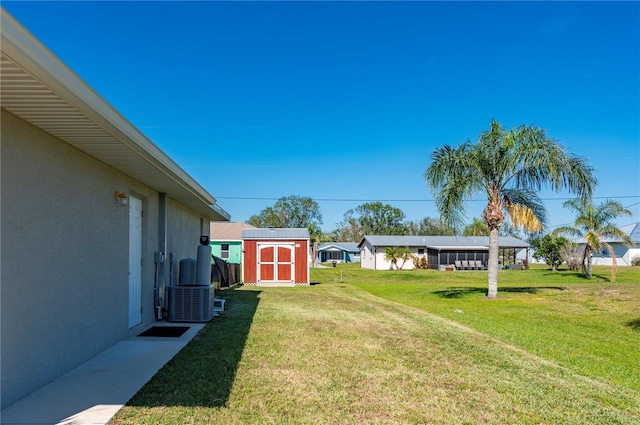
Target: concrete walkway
<point x="94" y="392"/>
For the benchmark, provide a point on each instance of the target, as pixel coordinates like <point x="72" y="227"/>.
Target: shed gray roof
<point x="275" y="233"/>
<point x="443" y="242"/>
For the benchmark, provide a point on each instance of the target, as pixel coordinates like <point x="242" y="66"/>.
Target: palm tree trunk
<point x="614" y="263"/>
<point x="493" y="263"/>
<point x="589" y="255"/>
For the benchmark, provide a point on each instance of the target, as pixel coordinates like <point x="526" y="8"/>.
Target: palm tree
<point x="392" y="255"/>
<point x="404" y="254"/>
<point x="595" y="223"/>
<point x="476" y="228"/>
<point x="510" y="167"/>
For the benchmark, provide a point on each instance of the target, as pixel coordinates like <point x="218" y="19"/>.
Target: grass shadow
<point x="634" y="324"/>
<point x="566" y="274"/>
<point x="459" y="292"/>
<point x="202" y="374"/>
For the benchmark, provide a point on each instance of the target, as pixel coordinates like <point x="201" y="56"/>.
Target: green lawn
<point x="420" y="347"/>
<point x="590" y="326"/>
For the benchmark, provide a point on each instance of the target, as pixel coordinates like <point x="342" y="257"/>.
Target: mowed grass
<point x="591" y="326"/>
<point x="409" y="347"/>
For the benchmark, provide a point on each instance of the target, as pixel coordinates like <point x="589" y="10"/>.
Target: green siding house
<point x="226" y="241"/>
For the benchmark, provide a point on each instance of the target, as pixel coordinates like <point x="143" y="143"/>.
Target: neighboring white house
<point x="341" y="252"/>
<point x="624" y="254"/>
<point x="87" y="203"/>
<point x="441" y="251"/>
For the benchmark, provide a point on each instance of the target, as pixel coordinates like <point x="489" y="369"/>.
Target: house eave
<point x="37" y="87"/>
<point x="460" y="247"/>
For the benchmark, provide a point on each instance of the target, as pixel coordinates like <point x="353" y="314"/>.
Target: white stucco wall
<point x="64" y="275"/>
<point x="373" y="258"/>
<point x="383" y="264"/>
<point x="632" y="253"/>
<point x="367" y="260"/>
<point x="623" y="253"/>
<point x="184" y="234"/>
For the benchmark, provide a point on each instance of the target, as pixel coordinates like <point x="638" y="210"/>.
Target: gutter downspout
<point x="161" y="265"/>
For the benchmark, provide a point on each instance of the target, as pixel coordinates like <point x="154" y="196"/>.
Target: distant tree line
<point x="509" y="166"/>
<point x="371" y="218"/>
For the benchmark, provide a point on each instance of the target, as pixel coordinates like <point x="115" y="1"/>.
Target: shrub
<point x="572" y="255"/>
<point x="420" y="262"/>
<point x="635" y="261"/>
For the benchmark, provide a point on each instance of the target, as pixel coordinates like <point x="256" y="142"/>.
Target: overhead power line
<point x="252" y="198"/>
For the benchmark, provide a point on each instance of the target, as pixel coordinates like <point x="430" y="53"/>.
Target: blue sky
<point x="345" y="101"/>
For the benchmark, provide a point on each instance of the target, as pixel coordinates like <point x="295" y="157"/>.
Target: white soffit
<point x="37" y="87"/>
<point x="460" y="247"/>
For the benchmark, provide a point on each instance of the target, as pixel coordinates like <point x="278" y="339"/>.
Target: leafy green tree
<point x="476" y="228"/>
<point x="429" y="227"/>
<point x="373" y="218"/>
<point x="349" y="230"/>
<point x="549" y="249"/>
<point x="289" y="212"/>
<point x="510" y="167"/>
<point x="594" y="223"/>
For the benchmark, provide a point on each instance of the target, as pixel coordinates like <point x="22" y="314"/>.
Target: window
<point x="224" y="250"/>
<point x="335" y="255"/>
<point x="420" y="251"/>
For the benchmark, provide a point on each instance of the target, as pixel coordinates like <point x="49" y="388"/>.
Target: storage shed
<point x="275" y="257"/>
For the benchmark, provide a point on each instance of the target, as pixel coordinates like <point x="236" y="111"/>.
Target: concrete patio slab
<point x="93" y="393"/>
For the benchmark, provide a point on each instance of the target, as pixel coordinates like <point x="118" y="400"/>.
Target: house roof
<point x="271" y="233"/>
<point x="443" y="242"/>
<point x="225" y="231"/>
<point x="37" y="87"/>
<point x="633" y="230"/>
<point x="339" y="246"/>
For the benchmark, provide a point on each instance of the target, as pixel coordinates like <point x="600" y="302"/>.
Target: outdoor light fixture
<point x="122" y="198"/>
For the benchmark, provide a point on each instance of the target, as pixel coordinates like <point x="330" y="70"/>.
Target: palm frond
<point x="568" y="231"/>
<point x="452" y="176"/>
<point x="611" y="231"/>
<point x="544" y="162"/>
<point x="609" y="210"/>
<point x="523" y="218"/>
<point x="525" y="209"/>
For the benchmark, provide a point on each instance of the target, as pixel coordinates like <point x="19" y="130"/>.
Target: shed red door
<point x="275" y="262"/>
<point x="285" y="263"/>
<point x="266" y="263"/>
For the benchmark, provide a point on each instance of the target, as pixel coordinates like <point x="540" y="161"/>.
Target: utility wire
<point x="248" y="198"/>
<point x="423" y="200"/>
